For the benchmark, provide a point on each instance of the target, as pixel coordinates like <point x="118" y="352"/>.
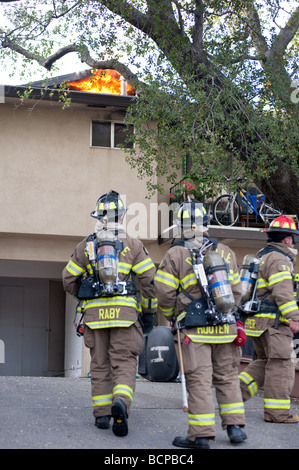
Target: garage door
<point x="24" y="312"/>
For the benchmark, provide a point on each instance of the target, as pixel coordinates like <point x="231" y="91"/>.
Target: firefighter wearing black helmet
<point x="210" y="355"/>
<point x="101" y="274"/>
<point x="273" y="370"/>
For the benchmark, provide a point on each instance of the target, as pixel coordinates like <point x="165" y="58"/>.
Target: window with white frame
<point x="110" y="134"/>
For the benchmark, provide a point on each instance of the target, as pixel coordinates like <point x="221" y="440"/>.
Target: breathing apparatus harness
<point x="217" y="301"/>
<point x="103" y="250"/>
<point x="253" y="305"/>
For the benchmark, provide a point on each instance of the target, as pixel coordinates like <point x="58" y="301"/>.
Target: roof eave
<point x="52" y="94"/>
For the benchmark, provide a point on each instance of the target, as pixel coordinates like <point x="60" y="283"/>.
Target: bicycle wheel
<point x="269" y="212"/>
<point x="226" y="210"/>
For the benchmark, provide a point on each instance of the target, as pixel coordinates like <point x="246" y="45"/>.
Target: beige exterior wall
<point x="51" y="179"/>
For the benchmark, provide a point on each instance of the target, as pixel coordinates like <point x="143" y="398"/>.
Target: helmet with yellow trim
<point x="283" y="224"/>
<point x="192" y="215"/>
<point x="109" y="205"/>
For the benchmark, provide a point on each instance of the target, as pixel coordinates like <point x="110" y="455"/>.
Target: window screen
<point x="121" y="132"/>
<point x="110" y="134"/>
<point x="101" y="134"/>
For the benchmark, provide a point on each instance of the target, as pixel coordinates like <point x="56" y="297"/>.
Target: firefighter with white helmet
<point x="198" y="286"/>
<point x="273" y="322"/>
<point x="101" y="274"/>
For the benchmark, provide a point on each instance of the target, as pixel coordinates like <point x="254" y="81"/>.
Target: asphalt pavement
<point x="56" y="413"/>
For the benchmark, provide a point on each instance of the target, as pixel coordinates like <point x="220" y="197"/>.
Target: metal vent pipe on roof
<point x="123" y="86"/>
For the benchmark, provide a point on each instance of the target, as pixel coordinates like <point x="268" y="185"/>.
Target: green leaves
<point x="218" y="78"/>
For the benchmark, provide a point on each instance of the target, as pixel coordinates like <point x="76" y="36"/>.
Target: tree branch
<point x="165" y="23"/>
<point x="272" y="57"/>
<point x="49" y="61"/>
<point x="131" y="78"/>
<point x="85" y="57"/>
<point x="6" y="42"/>
<point x="128" y="12"/>
<point x="254" y="23"/>
<point x="198" y="29"/>
<point x="285" y="35"/>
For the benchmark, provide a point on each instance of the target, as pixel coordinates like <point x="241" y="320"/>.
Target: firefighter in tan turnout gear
<point x="272" y="323"/>
<point x="210" y="354"/>
<point x="101" y="275"/>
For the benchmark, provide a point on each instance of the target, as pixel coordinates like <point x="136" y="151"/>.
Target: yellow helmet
<point x="192" y="214"/>
<point x="109" y="205"/>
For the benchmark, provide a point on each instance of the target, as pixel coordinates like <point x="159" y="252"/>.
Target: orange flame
<point x="102" y="81"/>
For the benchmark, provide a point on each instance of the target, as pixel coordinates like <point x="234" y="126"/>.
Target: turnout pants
<point x="206" y="365"/>
<point x="273" y="370"/>
<point x="113" y="365"/>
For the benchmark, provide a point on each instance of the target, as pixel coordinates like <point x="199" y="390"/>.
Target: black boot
<point x="199" y="443"/>
<point x="119" y="413"/>
<point x="235" y="434"/>
<point x="102" y="422"/>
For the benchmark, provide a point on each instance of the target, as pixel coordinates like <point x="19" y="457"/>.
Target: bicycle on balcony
<point x="227" y="207"/>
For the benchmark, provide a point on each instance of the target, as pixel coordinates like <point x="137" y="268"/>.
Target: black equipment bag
<point x="196" y="313"/>
<point x="86" y="289"/>
<point x="158" y="361"/>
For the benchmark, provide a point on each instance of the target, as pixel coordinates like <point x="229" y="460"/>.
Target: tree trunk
<point x="281" y="188"/>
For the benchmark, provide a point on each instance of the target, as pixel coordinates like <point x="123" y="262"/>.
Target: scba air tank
<point x="247" y="281"/>
<point x="218" y="281"/>
<point x="107" y="259"/>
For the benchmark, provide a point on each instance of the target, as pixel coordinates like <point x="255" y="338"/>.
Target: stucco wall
<point x="51" y="179"/>
<point x="50" y="176"/>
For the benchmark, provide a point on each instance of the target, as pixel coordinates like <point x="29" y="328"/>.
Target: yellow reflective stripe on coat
<point x="75" y="269"/>
<point x="124" y="268"/>
<point x="143" y="266"/>
<point x="281" y="276"/>
<point x="236" y="278"/>
<point x="211" y="339"/>
<point x="122" y="389"/>
<point x="117" y="300"/>
<point x="181" y="316"/>
<point x="253" y="333"/>
<point x="102" y="400"/>
<point x="278" y="277"/>
<point x="201" y="419"/>
<point x="108" y="324"/>
<point x="166" y="278"/>
<point x="288" y="307"/>
<point x="261" y="283"/>
<point x="167" y="312"/>
<point x="188" y="280"/>
<point x="149" y="303"/>
<point x="231" y="408"/>
<point x="270" y="316"/>
<point x="249" y="382"/>
<point x="274" y="403"/>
